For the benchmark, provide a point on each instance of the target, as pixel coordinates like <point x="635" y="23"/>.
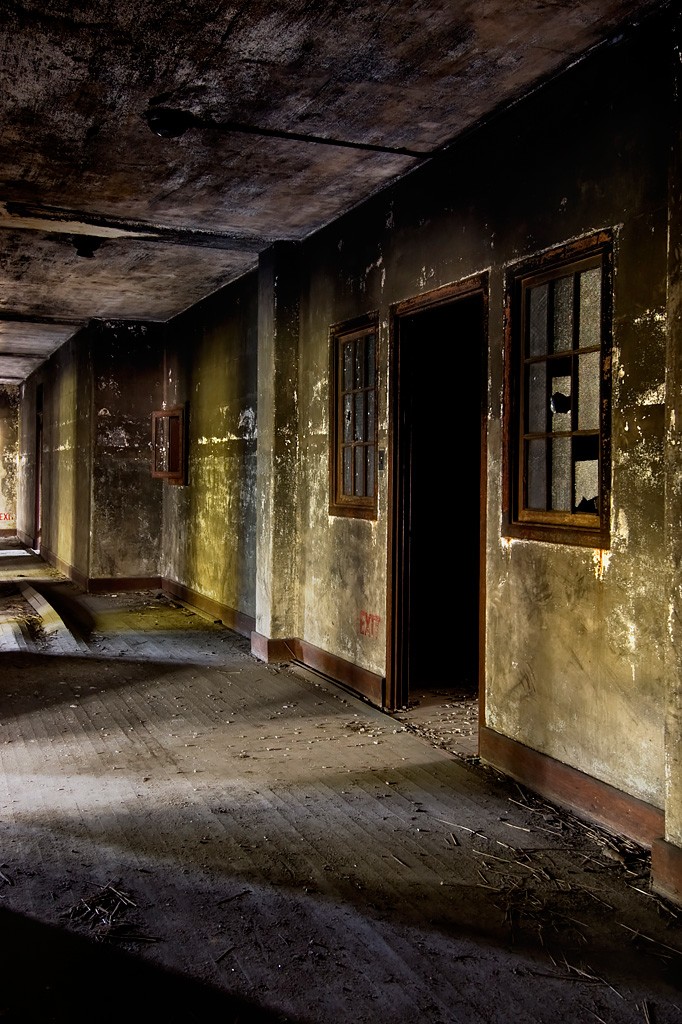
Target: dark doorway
<point x="438" y="419"/>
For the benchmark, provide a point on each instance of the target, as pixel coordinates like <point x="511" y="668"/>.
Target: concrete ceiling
<point x="100" y="217"/>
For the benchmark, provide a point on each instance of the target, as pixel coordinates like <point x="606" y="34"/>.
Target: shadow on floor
<point x="50" y="976"/>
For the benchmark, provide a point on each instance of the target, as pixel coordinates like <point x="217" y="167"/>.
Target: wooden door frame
<point x="397" y="687"/>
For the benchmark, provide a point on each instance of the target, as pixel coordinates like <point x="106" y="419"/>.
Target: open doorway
<point x="437" y="369"/>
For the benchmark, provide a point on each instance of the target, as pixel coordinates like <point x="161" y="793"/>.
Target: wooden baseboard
<point x="359" y="680"/>
<point x="587" y="797"/>
<point x="8" y="533"/>
<point x="100" y="584"/>
<point x="64" y="567"/>
<point x="666" y="870"/>
<point x="272" y="651"/>
<point x="230" y="617"/>
<point x="110" y="584"/>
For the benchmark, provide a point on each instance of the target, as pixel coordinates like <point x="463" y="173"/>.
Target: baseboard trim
<point x="666" y="870"/>
<point x="9" y="533"/>
<point x="587" y="797"/>
<point x="109" y="584"/>
<point x="230" y="617"/>
<point x="30" y="542"/>
<point x="68" y="570"/>
<point x="100" y="584"/>
<point x="359" y="680"/>
<point x="272" y="651"/>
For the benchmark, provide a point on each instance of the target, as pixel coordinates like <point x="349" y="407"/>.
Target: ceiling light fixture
<point x="170" y="123"/>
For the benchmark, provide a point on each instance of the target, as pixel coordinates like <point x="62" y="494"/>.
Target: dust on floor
<point x="187" y="834"/>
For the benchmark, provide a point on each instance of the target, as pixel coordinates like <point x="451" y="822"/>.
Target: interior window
<point x="559" y="390"/>
<point x="353" y="417"/>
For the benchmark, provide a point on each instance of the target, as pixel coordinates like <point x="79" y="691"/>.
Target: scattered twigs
<point x="471" y="831"/>
<point x="225" y="952"/>
<point x="647" y="1012"/>
<point x="125" y="932"/>
<point x="641" y="935"/>
<point x="102" y="908"/>
<point x="589" y="976"/>
<point x="234" y="896"/>
<point x="595" y="897"/>
<point x="6" y="879"/>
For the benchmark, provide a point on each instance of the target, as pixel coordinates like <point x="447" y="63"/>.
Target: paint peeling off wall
<point x="9" y="424"/>
<point x="126" y="502"/>
<point x="564" y="641"/>
<point x="209" y="526"/>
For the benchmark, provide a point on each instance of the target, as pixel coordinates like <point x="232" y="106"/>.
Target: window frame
<point x="175" y="471"/>
<point x="358" y="506"/>
<point x="519" y="519"/>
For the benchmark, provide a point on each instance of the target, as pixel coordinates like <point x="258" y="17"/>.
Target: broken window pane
<point x="586" y="497"/>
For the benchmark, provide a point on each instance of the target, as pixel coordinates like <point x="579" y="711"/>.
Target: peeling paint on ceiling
<point x="294" y="113"/>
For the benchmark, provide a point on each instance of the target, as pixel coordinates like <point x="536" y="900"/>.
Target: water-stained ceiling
<point x="150" y="150"/>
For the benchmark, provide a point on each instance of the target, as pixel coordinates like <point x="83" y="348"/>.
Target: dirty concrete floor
<point x="187" y="834"/>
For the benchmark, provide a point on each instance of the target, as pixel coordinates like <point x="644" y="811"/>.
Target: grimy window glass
<point x="560" y="391"/>
<point x="353" y="454"/>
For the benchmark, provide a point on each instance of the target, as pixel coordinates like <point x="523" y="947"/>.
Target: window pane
<point x="563" y="314"/>
<point x="371" y="414"/>
<point x="537" y="398"/>
<point x="359" y="482"/>
<point x="370" y="471"/>
<point x="587" y="486"/>
<point x="359" y="431"/>
<point x="347" y="418"/>
<point x="537" y="475"/>
<point x="590" y="308"/>
<point x="560" y="403"/>
<point x="537" y="340"/>
<point x="359" y="380"/>
<point x="369" y="359"/>
<point x="174" y="444"/>
<point x="348" y="366"/>
<point x="588" y="384"/>
<point x="561" y="474"/>
<point x="347" y="470"/>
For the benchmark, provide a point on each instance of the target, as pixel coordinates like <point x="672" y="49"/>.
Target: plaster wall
<point x="27" y="467"/>
<point x="126" y="501"/>
<point x="575" y="637"/>
<point x="673" y="492"/>
<point x="9" y="428"/>
<point x="209" y="542"/>
<point x="66" y="453"/>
